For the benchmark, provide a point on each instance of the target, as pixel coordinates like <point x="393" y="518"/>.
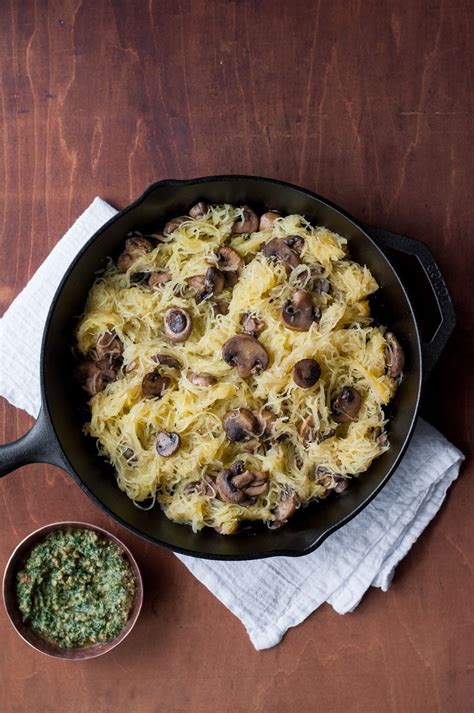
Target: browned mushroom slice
<point x="239" y="486"/>
<point x="259" y="484"/>
<point x="231" y="279"/>
<point x="299" y="312"/>
<point x="109" y="347"/>
<point x="198" y="210"/>
<point x="247" y="223"/>
<point x="161" y="277"/>
<point x="342" y="483"/>
<point x="154" y="385"/>
<point x="173" y="224"/>
<point x="167" y="443"/>
<point x="346" y="405"/>
<point x="383" y="439"/>
<point x="240" y="425"/>
<point x="285" y="509"/>
<point x="252" y="325"/>
<point x="394" y="356"/>
<point x="135" y="248"/>
<point x="220" y="307"/>
<point x="295" y="242"/>
<point x="177" y="324"/>
<point x="277" y="249"/>
<point x="306" y="373"/>
<point x="215" y="281"/>
<point x="167" y="360"/>
<point x="96" y="375"/>
<point x="323" y="476"/>
<point x="202" y="379"/>
<point x="267" y="219"/>
<point x="309" y="276"/>
<point x="212" y="283"/>
<point x="197" y="283"/>
<point x="266" y="419"/>
<point x="231" y="264"/>
<point x="305" y="429"/>
<point x="229" y="260"/>
<point x="205" y="487"/>
<point x="246" y="354"/>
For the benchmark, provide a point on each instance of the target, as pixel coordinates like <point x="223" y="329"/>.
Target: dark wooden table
<point x="368" y="103"/>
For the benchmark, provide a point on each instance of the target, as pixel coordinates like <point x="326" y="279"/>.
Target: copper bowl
<point x="21" y="552"/>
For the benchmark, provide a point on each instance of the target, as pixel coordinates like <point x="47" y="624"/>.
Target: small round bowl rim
<point x="9" y="601"/>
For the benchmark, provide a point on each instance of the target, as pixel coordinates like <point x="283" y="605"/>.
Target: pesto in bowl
<point x="76" y="588"/>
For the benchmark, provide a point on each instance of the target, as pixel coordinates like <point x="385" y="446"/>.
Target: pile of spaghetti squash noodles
<point x="345" y="343"/>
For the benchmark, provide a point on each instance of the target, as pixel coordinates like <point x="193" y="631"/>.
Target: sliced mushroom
<point x="259" y="485"/>
<point x="239" y="486"/>
<point x="277" y="249"/>
<point x="252" y="325"/>
<point x="167" y="443"/>
<point x="230" y="263"/>
<point x="246" y="354"/>
<point x="231" y="279"/>
<point x="215" y="281"/>
<point x="202" y="379"/>
<point x="346" y="405"/>
<point x="96" y="375"/>
<point x="229" y="260"/>
<point x="267" y="219"/>
<point x="135" y="248"/>
<point x="247" y="223"/>
<point x="197" y="283"/>
<point x="177" y="324"/>
<point x="240" y="425"/>
<point x="131" y="366"/>
<point x="342" y="483"/>
<point x="305" y="429"/>
<point x="198" y="210"/>
<point x="205" y="487"/>
<point x="383" y="439"/>
<point x="220" y="307"/>
<point x="306" y="373"/>
<point x="161" y="277"/>
<point x="154" y="385"/>
<point x="109" y="347"/>
<point x="266" y="419"/>
<point x="285" y="509"/>
<point x="173" y="224"/>
<point x="394" y="356"/>
<point x="212" y="283"/>
<point x="295" y="242"/>
<point x="167" y="360"/>
<point x="309" y="276"/>
<point x="323" y="476"/>
<point x="299" y="313"/>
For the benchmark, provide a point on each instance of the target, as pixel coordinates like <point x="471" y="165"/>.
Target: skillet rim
<point x="279" y="552"/>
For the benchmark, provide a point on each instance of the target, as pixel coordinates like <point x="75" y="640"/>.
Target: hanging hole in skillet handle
<point x="39" y="445"/>
<point x="435" y="338"/>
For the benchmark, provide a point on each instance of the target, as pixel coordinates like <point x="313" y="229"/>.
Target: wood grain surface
<point x="369" y="103"/>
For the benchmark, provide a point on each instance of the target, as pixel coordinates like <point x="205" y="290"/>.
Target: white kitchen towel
<point x="268" y="596"/>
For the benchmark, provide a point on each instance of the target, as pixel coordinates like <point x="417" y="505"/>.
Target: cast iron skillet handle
<point x="431" y="350"/>
<point x="39" y="445"/>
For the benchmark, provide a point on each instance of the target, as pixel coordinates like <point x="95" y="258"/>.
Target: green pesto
<point x="76" y="588"/>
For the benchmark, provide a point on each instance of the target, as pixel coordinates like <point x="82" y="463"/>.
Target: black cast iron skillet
<point x="57" y="437"/>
